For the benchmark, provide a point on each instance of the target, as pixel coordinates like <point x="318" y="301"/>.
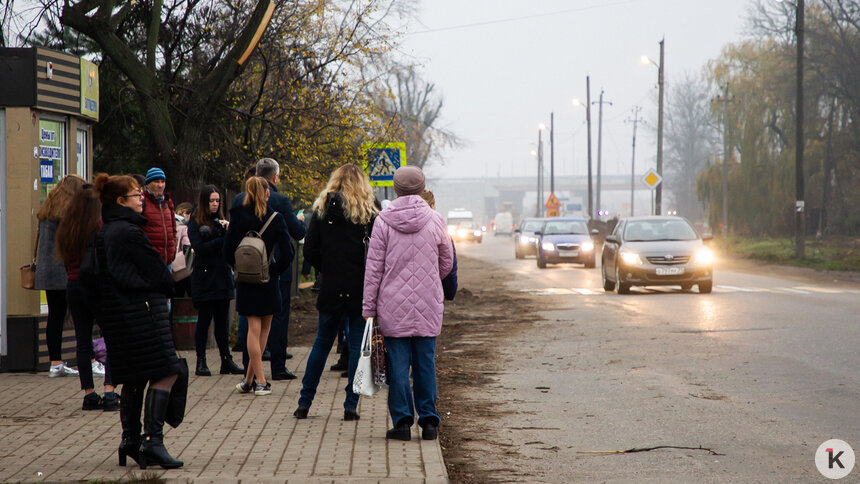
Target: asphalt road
<point x="761" y="371"/>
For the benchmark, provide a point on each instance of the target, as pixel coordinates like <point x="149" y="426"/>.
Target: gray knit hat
<point x="408" y="180"/>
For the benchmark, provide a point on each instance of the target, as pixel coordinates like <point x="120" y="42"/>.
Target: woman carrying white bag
<point x="409" y="254"/>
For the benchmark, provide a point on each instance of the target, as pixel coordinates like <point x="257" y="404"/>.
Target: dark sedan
<point x="656" y="251"/>
<point x="525" y="242"/>
<point x="563" y="241"/>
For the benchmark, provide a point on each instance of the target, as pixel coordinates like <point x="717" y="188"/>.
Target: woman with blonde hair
<point x="258" y="302"/>
<point x="51" y="275"/>
<point x="342" y="220"/>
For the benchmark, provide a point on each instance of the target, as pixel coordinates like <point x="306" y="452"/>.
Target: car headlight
<point x="704" y="256"/>
<point x="631" y="258"/>
<point x="524" y="239"/>
<point x="587" y="246"/>
<point x="477" y="233"/>
<point x="462" y="233"/>
<point x="547" y="246"/>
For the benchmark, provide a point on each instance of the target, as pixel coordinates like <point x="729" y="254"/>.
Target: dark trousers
<point x="81" y="304"/>
<point x="206" y="312"/>
<point x="327" y="329"/>
<point x="57" y="307"/>
<point x="419" y="353"/>
<point x="277" y="343"/>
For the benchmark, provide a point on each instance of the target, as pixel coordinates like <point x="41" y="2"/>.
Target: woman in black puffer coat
<point x="211" y="279"/>
<point x="135" y="285"/>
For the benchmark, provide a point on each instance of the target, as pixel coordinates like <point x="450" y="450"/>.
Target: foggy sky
<point x="499" y="80"/>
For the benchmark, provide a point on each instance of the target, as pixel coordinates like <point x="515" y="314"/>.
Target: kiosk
<point x="49" y="102"/>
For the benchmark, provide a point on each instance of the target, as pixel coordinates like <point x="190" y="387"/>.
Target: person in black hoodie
<point x="335" y="245"/>
<point x="258" y="302"/>
<point x="211" y="280"/>
<point x="134" y="283"/>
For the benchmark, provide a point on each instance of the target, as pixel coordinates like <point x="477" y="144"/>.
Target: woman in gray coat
<point x="50" y="272"/>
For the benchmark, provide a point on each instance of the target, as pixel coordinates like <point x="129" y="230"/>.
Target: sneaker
<point x="98" y="369"/>
<point x="260" y="389"/>
<point x="92" y="401"/>
<point x="244" y="387"/>
<point x="61" y="370"/>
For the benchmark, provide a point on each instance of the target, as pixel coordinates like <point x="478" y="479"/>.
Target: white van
<point x="504" y="223"/>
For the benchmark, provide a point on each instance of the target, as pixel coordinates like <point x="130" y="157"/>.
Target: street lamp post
<point x="658" y="193"/>
<point x="551" y="153"/>
<point x="601" y="102"/>
<point x="799" y="144"/>
<point x="577" y="102"/>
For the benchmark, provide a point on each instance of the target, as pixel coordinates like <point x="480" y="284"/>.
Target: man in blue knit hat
<point x="160" y="226"/>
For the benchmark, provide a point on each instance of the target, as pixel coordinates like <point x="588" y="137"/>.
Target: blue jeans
<point x="326" y="334"/>
<point x="419" y="353"/>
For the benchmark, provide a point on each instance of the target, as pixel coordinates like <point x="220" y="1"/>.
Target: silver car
<point x="656" y="251"/>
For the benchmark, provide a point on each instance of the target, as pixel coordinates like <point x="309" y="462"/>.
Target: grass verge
<point x="832" y="253"/>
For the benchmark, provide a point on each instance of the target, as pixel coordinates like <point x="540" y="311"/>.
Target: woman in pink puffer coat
<point x="409" y="254"/>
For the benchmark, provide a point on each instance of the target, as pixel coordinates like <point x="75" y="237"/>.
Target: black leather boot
<point x="228" y="367"/>
<point x="202" y="369"/>
<point x="152" y="450"/>
<point x="130" y="404"/>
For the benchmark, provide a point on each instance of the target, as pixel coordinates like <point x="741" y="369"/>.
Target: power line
<point x="524" y="17"/>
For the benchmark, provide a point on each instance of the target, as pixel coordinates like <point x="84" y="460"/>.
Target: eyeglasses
<point x="138" y="194"/>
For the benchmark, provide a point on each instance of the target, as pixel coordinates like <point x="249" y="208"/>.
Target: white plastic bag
<point x="362" y="382"/>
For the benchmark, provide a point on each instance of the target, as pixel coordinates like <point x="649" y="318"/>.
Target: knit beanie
<point x="154" y="174"/>
<point x="408" y="180"/>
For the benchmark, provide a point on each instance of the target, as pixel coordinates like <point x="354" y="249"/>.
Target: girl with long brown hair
<point x="258" y="302"/>
<point x="75" y="234"/>
<point x="51" y="276"/>
<point x="211" y="279"/>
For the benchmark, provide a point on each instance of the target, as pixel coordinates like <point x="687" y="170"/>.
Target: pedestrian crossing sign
<point x="380" y="160"/>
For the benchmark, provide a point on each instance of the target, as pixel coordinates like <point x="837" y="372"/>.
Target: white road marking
<point x="790" y="289"/>
<point x="820" y="289"/>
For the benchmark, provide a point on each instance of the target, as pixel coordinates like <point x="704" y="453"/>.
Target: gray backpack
<point x="252" y="262"/>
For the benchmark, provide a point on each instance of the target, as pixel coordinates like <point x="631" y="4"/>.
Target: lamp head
<point x="541" y="126"/>
<point x="577" y="102"/>
<point x="645" y="59"/>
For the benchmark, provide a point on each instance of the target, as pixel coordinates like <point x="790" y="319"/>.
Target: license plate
<point x="670" y="271"/>
<point x="566" y="253"/>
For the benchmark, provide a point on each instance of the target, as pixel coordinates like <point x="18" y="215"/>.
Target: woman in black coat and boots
<point x="342" y="219"/>
<point x="135" y="285"/>
<point x="259" y="302"/>
<point x="211" y="279"/>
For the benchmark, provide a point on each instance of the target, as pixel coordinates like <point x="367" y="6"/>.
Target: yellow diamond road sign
<point x="652" y="179"/>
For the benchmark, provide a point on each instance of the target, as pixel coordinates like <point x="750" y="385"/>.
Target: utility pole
<point x="799" y="143"/>
<point x="599" y="145"/>
<point x="658" y="196"/>
<point x="725" y="100"/>
<point x="539" y="175"/>
<point x="551" y="153"/>
<point x="635" y="121"/>
<point x="588" y="121"/>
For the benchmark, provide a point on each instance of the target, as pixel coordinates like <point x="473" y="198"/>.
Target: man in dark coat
<point x="277" y="343"/>
<point x="160" y="227"/>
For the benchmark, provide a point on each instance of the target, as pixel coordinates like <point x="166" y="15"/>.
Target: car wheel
<point x="519" y="254"/>
<point x="686" y="287"/>
<point x="590" y="264"/>
<point x="608" y="285"/>
<point x="622" y="287"/>
<point x="706" y="287"/>
<point x="541" y="263"/>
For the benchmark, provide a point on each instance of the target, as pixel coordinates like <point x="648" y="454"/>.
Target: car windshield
<point x="649" y="230"/>
<point x="531" y="226"/>
<point x="577" y="227"/>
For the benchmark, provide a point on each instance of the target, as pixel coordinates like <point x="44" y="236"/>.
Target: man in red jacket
<point x="158" y="210"/>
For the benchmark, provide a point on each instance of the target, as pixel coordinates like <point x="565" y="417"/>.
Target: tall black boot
<point x="202" y="369"/>
<point x="152" y="449"/>
<point x="230" y="368"/>
<point x="130" y="404"/>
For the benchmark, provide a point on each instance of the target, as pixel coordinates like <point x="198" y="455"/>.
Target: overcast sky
<point x="504" y="65"/>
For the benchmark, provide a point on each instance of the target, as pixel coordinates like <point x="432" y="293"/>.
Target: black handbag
<point x="178" y="396"/>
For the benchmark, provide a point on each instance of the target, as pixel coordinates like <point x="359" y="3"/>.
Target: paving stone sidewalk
<point x="226" y="436"/>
